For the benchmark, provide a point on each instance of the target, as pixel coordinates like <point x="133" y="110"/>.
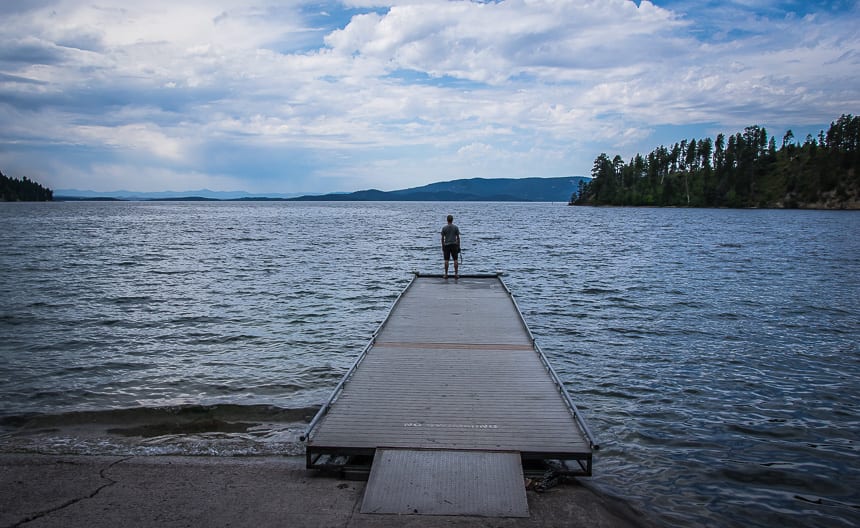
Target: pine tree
<point x="23" y="190"/>
<point x="740" y="170"/>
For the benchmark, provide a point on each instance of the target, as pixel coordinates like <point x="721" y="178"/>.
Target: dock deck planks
<point x="425" y="482"/>
<point x="453" y="367"/>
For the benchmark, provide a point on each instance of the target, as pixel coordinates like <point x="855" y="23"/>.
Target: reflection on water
<point x="713" y="352"/>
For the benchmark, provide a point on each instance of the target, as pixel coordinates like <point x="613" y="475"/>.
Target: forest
<point x="23" y="190"/>
<point x="748" y="169"/>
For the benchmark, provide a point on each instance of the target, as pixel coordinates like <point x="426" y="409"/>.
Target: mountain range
<point x="470" y="190"/>
<point x="202" y="194"/>
<point x="473" y="189"/>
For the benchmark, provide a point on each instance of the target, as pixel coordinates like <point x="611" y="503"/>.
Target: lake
<point x="714" y="353"/>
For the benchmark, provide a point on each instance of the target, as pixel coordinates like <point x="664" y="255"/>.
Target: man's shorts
<point x="451" y="250"/>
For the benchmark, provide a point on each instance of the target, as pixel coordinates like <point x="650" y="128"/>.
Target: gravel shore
<point x="127" y="492"/>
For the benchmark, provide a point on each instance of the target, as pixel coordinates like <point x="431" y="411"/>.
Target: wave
<point x="215" y="430"/>
<point x="180" y="414"/>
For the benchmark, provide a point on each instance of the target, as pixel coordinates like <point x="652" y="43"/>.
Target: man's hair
<point x="450" y="218"/>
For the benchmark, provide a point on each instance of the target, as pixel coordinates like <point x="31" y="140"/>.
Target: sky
<point x="295" y="96"/>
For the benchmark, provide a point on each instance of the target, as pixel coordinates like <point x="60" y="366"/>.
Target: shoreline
<point x="109" y="491"/>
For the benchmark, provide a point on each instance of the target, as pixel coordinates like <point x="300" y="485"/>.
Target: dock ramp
<point x="445" y="482"/>
<point x="452" y="376"/>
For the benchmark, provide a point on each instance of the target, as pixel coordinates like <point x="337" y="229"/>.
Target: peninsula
<point x="23" y="190"/>
<point x="739" y="171"/>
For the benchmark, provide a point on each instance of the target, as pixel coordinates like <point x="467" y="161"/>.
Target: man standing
<point x="451" y="245"/>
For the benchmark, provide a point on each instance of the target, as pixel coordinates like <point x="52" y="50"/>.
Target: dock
<point x="447" y="405"/>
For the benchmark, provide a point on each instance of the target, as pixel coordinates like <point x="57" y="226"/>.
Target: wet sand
<point x="126" y="492"/>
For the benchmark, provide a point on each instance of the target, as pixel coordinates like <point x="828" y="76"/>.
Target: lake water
<point x="714" y="353"/>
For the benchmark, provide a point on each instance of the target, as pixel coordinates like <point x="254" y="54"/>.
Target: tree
<point x="603" y="179"/>
<point x="787" y="138"/>
<point x="23" y="190"/>
<point x="737" y="170"/>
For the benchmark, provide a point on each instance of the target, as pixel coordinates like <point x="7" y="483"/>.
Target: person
<point x="451" y="245"/>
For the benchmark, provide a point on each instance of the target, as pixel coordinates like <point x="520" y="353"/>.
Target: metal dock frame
<point x="574" y="410"/>
<point x="357" y="458"/>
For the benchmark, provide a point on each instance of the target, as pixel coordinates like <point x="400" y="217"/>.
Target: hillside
<point x="23" y="190"/>
<point x="471" y="190"/>
<point x="748" y="169"/>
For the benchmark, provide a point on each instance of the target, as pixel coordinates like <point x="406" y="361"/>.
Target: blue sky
<point x="293" y="96"/>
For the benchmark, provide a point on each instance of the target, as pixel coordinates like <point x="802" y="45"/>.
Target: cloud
<point x="300" y="96"/>
<point x="117" y="177"/>
<point x="143" y="137"/>
<point x="495" y="43"/>
<point x="15" y="79"/>
<point x="29" y="50"/>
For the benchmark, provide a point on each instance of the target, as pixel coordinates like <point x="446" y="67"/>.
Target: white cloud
<point x="143" y="137"/>
<point x="133" y="177"/>
<point x="494" y="43"/>
<point x="517" y="87"/>
<point x="116" y="23"/>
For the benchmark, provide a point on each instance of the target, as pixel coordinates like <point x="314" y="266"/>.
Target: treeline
<point x="23" y="190"/>
<point x="747" y="169"/>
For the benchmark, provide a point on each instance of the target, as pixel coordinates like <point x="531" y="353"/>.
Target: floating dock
<point x="451" y="387"/>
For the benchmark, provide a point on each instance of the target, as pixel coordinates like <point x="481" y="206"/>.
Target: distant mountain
<point x="202" y="194"/>
<point x="467" y="190"/>
<point x="471" y="190"/>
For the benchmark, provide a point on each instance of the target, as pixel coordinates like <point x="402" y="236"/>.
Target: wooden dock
<point x="452" y="369"/>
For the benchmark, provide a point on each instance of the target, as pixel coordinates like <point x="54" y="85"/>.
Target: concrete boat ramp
<point x="447" y="406"/>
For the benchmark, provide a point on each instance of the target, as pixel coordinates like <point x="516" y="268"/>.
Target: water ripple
<point x="714" y="353"/>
